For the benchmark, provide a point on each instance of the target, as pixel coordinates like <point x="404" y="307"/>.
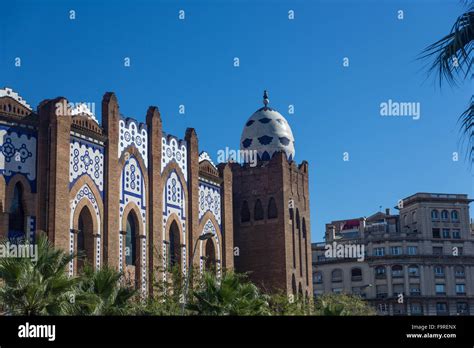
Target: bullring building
<point x="126" y="194"/>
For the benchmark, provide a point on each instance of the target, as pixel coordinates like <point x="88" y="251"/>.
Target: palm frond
<point x="453" y="53"/>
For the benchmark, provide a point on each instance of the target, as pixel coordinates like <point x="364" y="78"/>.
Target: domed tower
<point x="268" y="132"/>
<point x="271" y="207"/>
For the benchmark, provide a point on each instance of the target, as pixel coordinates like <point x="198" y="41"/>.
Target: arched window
<point x="244" y="212"/>
<point x="336" y="275"/>
<point x="397" y="271"/>
<point x="85" y="239"/>
<point x="356" y="274"/>
<point x="272" y="209"/>
<point x="413" y="216"/>
<point x="16" y="218"/>
<point x="454" y="215"/>
<point x="434" y="214"/>
<point x="210" y="256"/>
<point x="258" y="211"/>
<point x="444" y="215"/>
<point x="175" y="248"/>
<point x="131" y="241"/>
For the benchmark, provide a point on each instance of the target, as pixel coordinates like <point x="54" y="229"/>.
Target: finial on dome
<point x="265" y="98"/>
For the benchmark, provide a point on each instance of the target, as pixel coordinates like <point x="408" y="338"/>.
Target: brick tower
<point x="271" y="207"/>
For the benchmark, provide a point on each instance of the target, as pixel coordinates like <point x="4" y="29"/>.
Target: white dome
<point x="267" y="132"/>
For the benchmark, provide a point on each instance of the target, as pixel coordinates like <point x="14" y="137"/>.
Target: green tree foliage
<point x="342" y="304"/>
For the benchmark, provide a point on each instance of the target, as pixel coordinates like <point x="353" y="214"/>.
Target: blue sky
<point x="299" y="61"/>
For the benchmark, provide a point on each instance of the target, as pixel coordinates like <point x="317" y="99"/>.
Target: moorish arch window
<point x="245" y="212"/>
<point x="131" y="240"/>
<point x="16" y="218"/>
<point x="85" y="239"/>
<point x="258" y="211"/>
<point x="210" y="256"/>
<point x="272" y="209"/>
<point x="174" y="246"/>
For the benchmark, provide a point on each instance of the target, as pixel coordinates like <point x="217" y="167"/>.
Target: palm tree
<point x="38" y="287"/>
<point x="452" y="61"/>
<point x="101" y="293"/>
<point x="230" y="295"/>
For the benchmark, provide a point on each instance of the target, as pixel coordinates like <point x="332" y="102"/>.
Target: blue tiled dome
<point x="267" y="131"/>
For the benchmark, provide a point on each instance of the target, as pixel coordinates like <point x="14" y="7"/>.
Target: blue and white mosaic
<point x="174" y="150"/>
<point x="133" y="133"/>
<point x="86" y="159"/>
<point x="267" y="132"/>
<point x="209" y="200"/>
<point x="17" y="154"/>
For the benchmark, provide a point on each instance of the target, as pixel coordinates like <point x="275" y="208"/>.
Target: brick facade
<point x="116" y="187"/>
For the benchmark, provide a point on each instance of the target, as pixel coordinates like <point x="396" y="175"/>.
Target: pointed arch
<point x="16" y="214"/>
<point x="210" y="255"/>
<point x="272" y="209"/>
<point x="258" y="213"/>
<point x="131" y="235"/>
<point x="85" y="196"/>
<point x="85" y="238"/>
<point x="209" y="225"/>
<point x="244" y="212"/>
<point x="174" y="246"/>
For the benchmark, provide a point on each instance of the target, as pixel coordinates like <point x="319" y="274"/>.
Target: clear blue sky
<point x="190" y="62"/>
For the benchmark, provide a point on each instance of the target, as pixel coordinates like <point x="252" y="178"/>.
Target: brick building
<point x="129" y="195"/>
